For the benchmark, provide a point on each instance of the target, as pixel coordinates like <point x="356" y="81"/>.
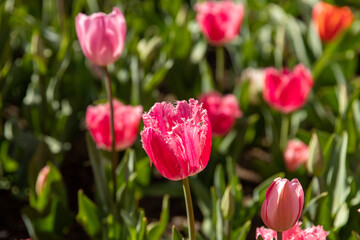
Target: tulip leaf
<point x="176" y="235"/>
<point x="153" y="80"/>
<point x="88" y="216"/>
<point x="219" y="181"/>
<point x="156" y="230"/>
<point x="341" y="217"/>
<point x="242" y="232"/>
<point x="99" y="174"/>
<point x="339" y="194"/>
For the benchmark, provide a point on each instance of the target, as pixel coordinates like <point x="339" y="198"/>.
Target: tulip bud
<point x="41" y="179"/>
<point x="315" y="164"/>
<point x="283" y="204"/>
<point x="228" y="204"/>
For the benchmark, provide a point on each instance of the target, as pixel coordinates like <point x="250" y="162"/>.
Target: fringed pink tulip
<point x="330" y="21"/>
<point x="177" y="139"/>
<point x="126" y="121"/>
<point x="283" y="204"/>
<point x="266" y="233"/>
<point x="296" y="153"/>
<point x="295" y="233"/>
<point x="101" y="36"/>
<point x="220" y="21"/>
<point x="222" y="110"/>
<point x="41" y="179"/>
<point x="287" y="90"/>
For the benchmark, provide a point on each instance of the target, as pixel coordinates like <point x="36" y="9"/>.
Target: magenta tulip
<point x="283" y="204"/>
<point x="126" y="121"/>
<point x="41" y="179"/>
<point x="220" y="21"/>
<point x="177" y="139"/>
<point x="296" y="153"/>
<point x="222" y="111"/>
<point x="101" y="36"/>
<point x="287" y="90"/>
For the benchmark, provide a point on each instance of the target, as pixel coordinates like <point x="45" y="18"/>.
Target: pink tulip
<point x="220" y="21"/>
<point x="41" y="179"/>
<point x="266" y="233"/>
<point x="330" y="20"/>
<point x="177" y="139"/>
<point x="287" y="90"/>
<point x="101" y="36"/>
<point x="126" y="123"/>
<point x="283" y="204"/>
<point x="222" y="111"/>
<point x="295" y="233"/>
<point x="296" y="153"/>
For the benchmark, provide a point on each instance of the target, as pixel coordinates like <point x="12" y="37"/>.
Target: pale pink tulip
<point x="296" y="153"/>
<point x="222" y="111"/>
<point x="283" y="204"/>
<point x="287" y="90"/>
<point x="219" y="21"/>
<point x="330" y="21"/>
<point x="177" y="139"/>
<point x="126" y="123"/>
<point x="41" y="179"/>
<point x="101" y="36"/>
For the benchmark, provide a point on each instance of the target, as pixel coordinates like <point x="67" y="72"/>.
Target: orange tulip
<point x="330" y="20"/>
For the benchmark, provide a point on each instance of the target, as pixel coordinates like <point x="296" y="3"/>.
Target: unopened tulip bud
<point x="228" y="204"/>
<point x="315" y="164"/>
<point x="283" y="204"/>
<point x="41" y="179"/>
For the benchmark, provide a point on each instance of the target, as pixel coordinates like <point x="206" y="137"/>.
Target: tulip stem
<point x="112" y="130"/>
<point x="189" y="209"/>
<point x="279" y="235"/>
<point x="220" y="67"/>
<point x="285" y="123"/>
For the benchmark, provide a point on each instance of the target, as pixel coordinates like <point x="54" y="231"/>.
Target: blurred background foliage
<point x="46" y="84"/>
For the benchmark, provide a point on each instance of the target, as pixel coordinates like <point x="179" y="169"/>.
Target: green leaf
<point x="219" y="180"/>
<point x="88" y="216"/>
<point x="156" y="230"/>
<point x="342" y="217"/>
<point x="153" y="80"/>
<point x="339" y="195"/>
<point x="99" y="175"/>
<point x="175" y="234"/>
<point x="242" y="232"/>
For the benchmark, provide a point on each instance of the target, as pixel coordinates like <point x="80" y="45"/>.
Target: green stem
<point x="279" y="235"/>
<point x="220" y="67"/>
<point x="189" y="209"/>
<point x="112" y="129"/>
<point x="227" y="229"/>
<point x="285" y="123"/>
